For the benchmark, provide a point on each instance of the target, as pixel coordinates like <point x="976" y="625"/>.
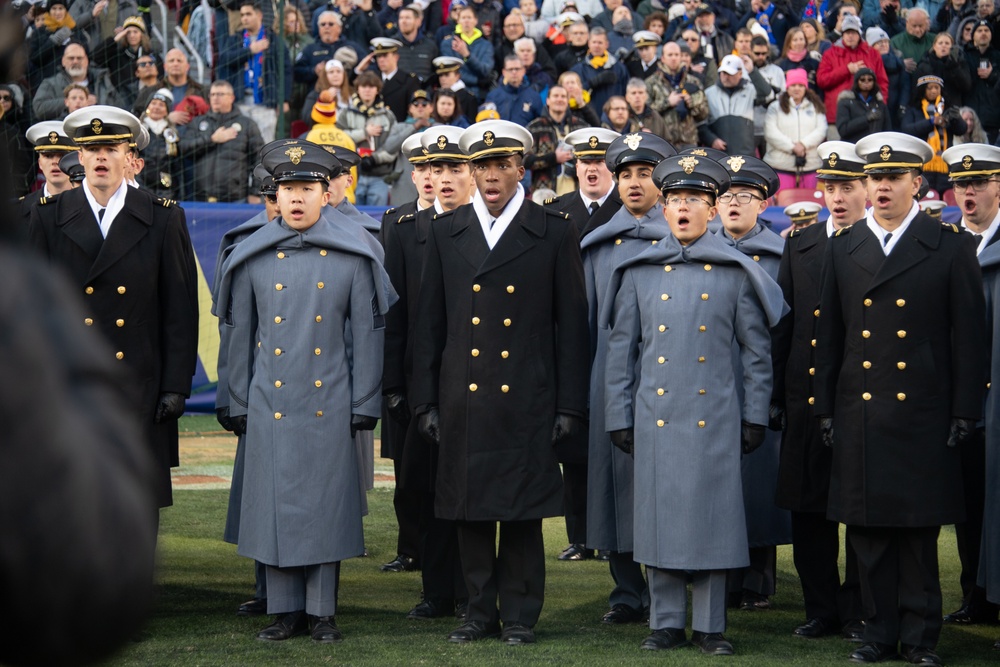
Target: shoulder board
<point x="438" y="216"/>
<point x="558" y="214"/>
<point x="46" y="200"/>
<point x="408" y="216"/>
<point x="842" y="230"/>
<point x="165" y="203"/>
<point x="390" y="211"/>
<point x="21" y="198"/>
<point x="795" y="232"/>
<point x="550" y="200"/>
<point x="951" y="226"/>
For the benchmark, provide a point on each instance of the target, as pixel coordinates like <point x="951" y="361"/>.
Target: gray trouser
<point x="312" y="588"/>
<point x="668" y="599"/>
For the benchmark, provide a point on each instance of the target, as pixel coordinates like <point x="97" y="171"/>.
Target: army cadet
<point x="637" y="225"/>
<point x="597" y="198"/>
<point x="496" y="388"/>
<point x="973" y="170"/>
<point x="339" y="184"/>
<point x="753" y="182"/>
<point x="801" y="214"/>
<point x="51" y="144"/>
<point x="900" y="364"/>
<point x="311" y="294"/>
<point x="674" y="312"/>
<point x="804" y="469"/>
<point x="70" y="165"/>
<point x="131" y="255"/>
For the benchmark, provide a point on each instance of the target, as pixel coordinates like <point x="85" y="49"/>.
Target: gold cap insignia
<point x="328" y="149"/>
<point x="967" y="162"/>
<point x="885" y="153"/>
<point x="736" y="163"/>
<point x="53" y="137"/>
<point x="96" y="126"/>
<point x="442" y="142"/>
<point x="688" y="164"/>
<point x="833" y="159"/>
<point x="488" y="138"/>
<point x="632" y="140"/>
<point x="295" y="154"/>
<point x="593" y="142"/>
<point x="699" y="151"/>
<point x="425" y="151"/>
<point x="802" y="212"/>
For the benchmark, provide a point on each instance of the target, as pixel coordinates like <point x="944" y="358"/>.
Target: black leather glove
<point x="367" y="162"/>
<point x="429" y="426"/>
<point x="564" y="426"/>
<point x="222" y="414"/>
<point x="398" y="408"/>
<point x="170" y="406"/>
<point x="960" y="432"/>
<point x="751" y="436"/>
<point x="777" y="420"/>
<point x="362" y="423"/>
<point x="624" y="440"/>
<point x="239" y="425"/>
<point x="826" y="430"/>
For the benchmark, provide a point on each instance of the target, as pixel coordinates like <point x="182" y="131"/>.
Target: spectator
<point x="514" y="98"/>
<point x="861" y="110"/>
<point x="841" y="11"/>
<point x="549" y="160"/>
<point x="225" y="147"/>
<point x="297" y="38"/>
<point x="476" y="51"/>
<point x="177" y="80"/>
<point x="160" y="175"/>
<point x="488" y="15"/>
<point x="974" y="129"/>
<point x="418" y="49"/>
<point x="702" y="66"/>
<point x="97" y="19"/>
<point x="589" y="8"/>
<point x="795" y="54"/>
<point x="938" y="122"/>
<point x="448" y="110"/>
<point x="448" y="70"/>
<point x="397" y="86"/>
<point x="889" y="19"/>
<point x="579" y="99"/>
<point x="963" y="32"/>
<point x="655" y="22"/>
<point x="606" y="19"/>
<point x="683" y="20"/>
<point x="419" y="112"/>
<point x="984" y="64"/>
<point x="678" y="97"/>
<point x="645" y="117"/>
<point x="916" y="40"/>
<point x="577" y="44"/>
<point x="601" y="73"/>
<point x="538" y="77"/>
<point x="794" y="128"/>
<point x="816" y="41"/>
<point x="616" y="116"/>
<point x="760" y="53"/>
<point x="333" y="79"/>
<point x="842" y="61"/>
<point x="326" y="133"/>
<point x="741" y="42"/>
<point x="620" y="35"/>
<point x="251" y="60"/>
<point x="773" y="18"/>
<point x="895" y="71"/>
<point x="75" y="97"/>
<point x="951" y="12"/>
<point x="120" y="54"/>
<point x="48" y="104"/>
<point x="535" y="26"/>
<point x="53" y="29"/>
<point x="715" y="44"/>
<point x="146" y="76"/>
<point x="314" y="57"/>
<point x="13" y="124"/>
<point x="729" y="127"/>
<point x="358" y="25"/>
<point x="642" y="62"/>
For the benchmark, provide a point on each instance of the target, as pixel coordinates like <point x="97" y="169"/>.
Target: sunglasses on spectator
<point x="5" y="98"/>
<point x="144" y="63"/>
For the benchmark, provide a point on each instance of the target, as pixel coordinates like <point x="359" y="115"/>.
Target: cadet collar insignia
<point x="97" y="126"/>
<point x="885" y="153"/>
<point x="295" y="154"/>
<point x="592" y="143"/>
<point x="833" y="160"/>
<point x="688" y="164"/>
<point x="488" y="138"/>
<point x="632" y="140"/>
<point x="966" y="160"/>
<point x="442" y="142"/>
<point x="699" y="151"/>
<point x="735" y="163"/>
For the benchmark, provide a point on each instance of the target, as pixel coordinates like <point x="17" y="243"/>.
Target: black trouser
<point x="440" y="567"/>
<point x="815" y="550"/>
<point x="969" y="535"/>
<point x="407" y="504"/>
<point x="575" y="501"/>
<point x="514" y="574"/>
<point x="900" y="588"/>
<point x="759" y="577"/>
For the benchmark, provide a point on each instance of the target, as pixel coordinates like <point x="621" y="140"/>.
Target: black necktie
<point x="100" y="215"/>
<point x="885" y="241"/>
<point x="593" y="207"/>
<point x="979" y="239"/>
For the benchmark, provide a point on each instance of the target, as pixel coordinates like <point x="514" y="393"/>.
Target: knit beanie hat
<point x="325" y="109"/>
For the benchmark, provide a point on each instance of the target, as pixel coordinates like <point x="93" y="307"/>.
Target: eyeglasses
<point x="976" y="184"/>
<point x="327" y="25"/>
<point x="674" y="202"/>
<point x="866" y="79"/>
<point x="742" y="198"/>
<point x="144" y="63"/>
<point x="762" y="53"/>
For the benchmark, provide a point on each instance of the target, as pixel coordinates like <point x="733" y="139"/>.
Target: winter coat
<point x="782" y="130"/>
<point x="809" y="64"/>
<point x="416" y="57"/>
<point x="833" y="77"/>
<point x="386" y="146"/>
<point x="603" y="83"/>
<point x="234" y="57"/>
<point x="852" y="116"/>
<point x="541" y="159"/>
<point x="519" y="105"/>
<point x="48" y="102"/>
<point x="682" y="120"/>
<point x="477" y="70"/>
<point x="984" y="97"/>
<point x="304" y="69"/>
<point x="730" y="114"/>
<point x="899" y="87"/>
<point x="222" y="171"/>
<point x="953" y="70"/>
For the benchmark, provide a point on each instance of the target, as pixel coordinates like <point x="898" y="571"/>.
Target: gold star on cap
<point x="735" y="163"/>
<point x="632" y="140"/>
<point x="295" y="154"/>
<point x="688" y="164"/>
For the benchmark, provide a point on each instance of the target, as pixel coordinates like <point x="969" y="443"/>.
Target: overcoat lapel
<point x="864" y="249"/>
<point x="79" y="223"/>
<point x="910" y="250"/>
<point x="522" y="233"/>
<point x="128" y="228"/>
<point x="468" y="236"/>
<point x="813" y="245"/>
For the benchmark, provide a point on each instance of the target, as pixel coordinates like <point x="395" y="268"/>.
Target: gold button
<point x="279" y="287"/>
<point x="701" y="424"/>
<point x="704" y="297"/>
<point x="476" y="288"/>
<point x="88" y="321"/>
<point x="319" y="413"/>
<point x="322" y="253"/>
<point x="813" y="342"/>
<point x="812" y="401"/>
<point x="277" y="415"/>
<point x="663" y="327"/>
<point x="816" y="313"/>
<point x="121" y="289"/>
<point x="866" y="334"/>
<point x="660" y="423"/>
<point x="258" y="345"/>
<point x="618" y="241"/>
<point x="868" y="302"/>
<point x="659" y="392"/>
<point x="668" y="268"/>
<point x="866" y="364"/>
<point x="321" y="284"/>
<point x="475" y="320"/>
<point x="277" y="320"/>
<point x="701" y="392"/>
<point x="277" y="351"/>
<point x="317" y="351"/>
<point x="119" y="323"/>
<point x="504" y="388"/>
<point x="812" y="371"/>
<point x="475" y="353"/>
<point x="901" y="333"/>
<point x="900" y="302"/>
<point x="756" y="258"/>
<point x="654" y="242"/>
<point x="701" y="328"/>
<point x="506" y="322"/>
<point x="661" y="360"/>
<point x="281" y="255"/>
<point x="866" y="396"/>
<point x="510" y="289"/>
<point x="901" y="365"/>
<point x="318" y="383"/>
<point x="701" y="359"/>
<point x="119" y="355"/>
<point x="505" y="354"/>
<point x="89" y="290"/>
<point x="708" y="267"/>
<point x="277" y="383"/>
<point x="473" y="387"/>
<point x="664" y="297"/>
<point x="319" y="318"/>
<point x="901" y="396"/>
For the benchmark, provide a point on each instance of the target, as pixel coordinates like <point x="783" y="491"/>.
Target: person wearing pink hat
<point x="794" y="126"/>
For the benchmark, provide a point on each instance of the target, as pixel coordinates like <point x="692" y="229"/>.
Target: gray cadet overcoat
<point x="767" y="524"/>
<point x="674" y="312"/>
<point x="989" y="560"/>
<point x="609" y="470"/>
<point x="320" y="297"/>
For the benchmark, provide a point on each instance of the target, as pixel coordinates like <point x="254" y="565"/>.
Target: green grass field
<point x="202" y="581"/>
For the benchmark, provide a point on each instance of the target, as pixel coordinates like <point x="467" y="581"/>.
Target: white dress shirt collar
<point x="114" y="207"/>
<point x="880" y="233"/>
<point x="499" y="225"/>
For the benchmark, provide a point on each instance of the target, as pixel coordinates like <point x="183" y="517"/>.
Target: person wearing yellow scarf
<point x="932" y="119"/>
<point x="57" y="17"/>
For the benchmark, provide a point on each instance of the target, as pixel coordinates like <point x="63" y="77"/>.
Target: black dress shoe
<point x="968" y="615"/>
<point x="664" y="639"/>
<point x="516" y="634"/>
<point x="461" y="609"/>
<point x="255" y="607"/>
<point x="576" y="552"/>
<point x="324" y="630"/>
<point x="622" y="613"/>
<point x="754" y="601"/>
<point x="873" y="652"/>
<point x="711" y="643"/>
<point x="996" y="646"/>
<point x="432" y="609"/>
<point x="853" y="631"/>
<point x="918" y="655"/>
<point x="285" y="626"/>
<point x="473" y="631"/>
<point x="401" y="563"/>
<point x="603" y="554"/>
<point x="815" y="628"/>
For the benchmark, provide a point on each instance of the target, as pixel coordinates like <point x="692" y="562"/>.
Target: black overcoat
<point x="900" y="351"/>
<point x="499" y="343"/>
<point x="572" y="205"/>
<point x="138" y="288"/>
